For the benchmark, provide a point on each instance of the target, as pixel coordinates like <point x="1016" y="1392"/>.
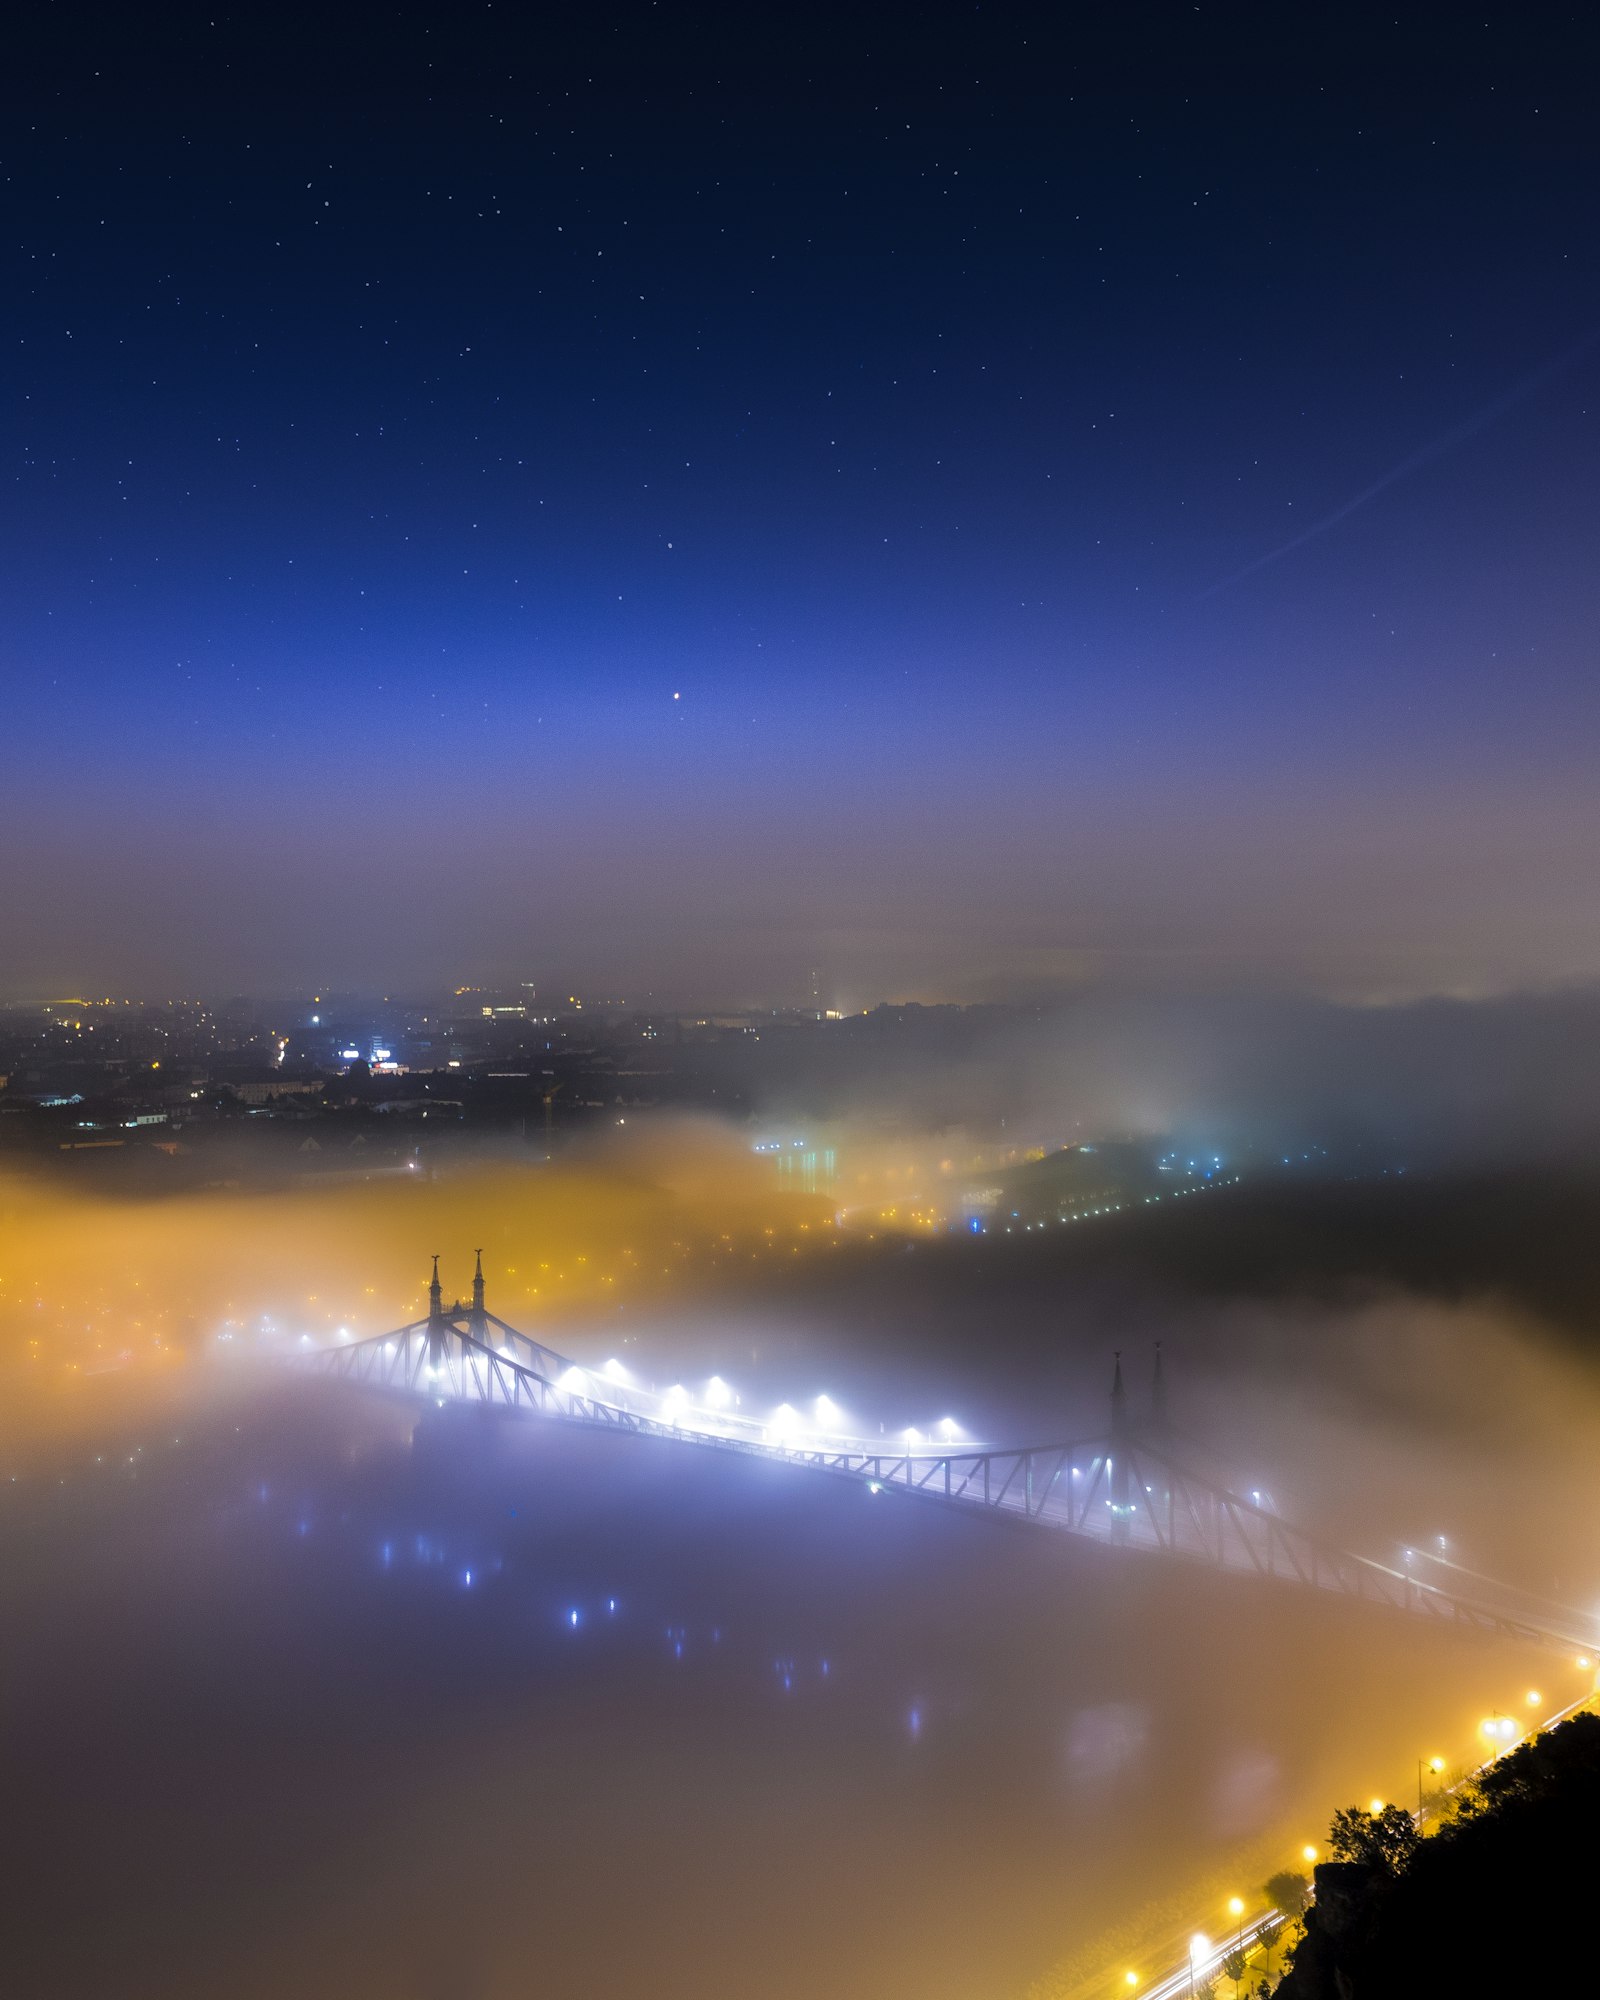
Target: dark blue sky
<point x="672" y="498"/>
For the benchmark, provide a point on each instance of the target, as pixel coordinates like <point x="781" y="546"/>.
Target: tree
<point x="1385" y="1840"/>
<point x="1234" y="1967"/>
<point x="1290" y="1894"/>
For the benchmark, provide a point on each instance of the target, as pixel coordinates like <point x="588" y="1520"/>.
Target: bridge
<point x="1124" y="1488"/>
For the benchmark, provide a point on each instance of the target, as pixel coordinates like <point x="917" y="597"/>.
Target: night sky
<point x="963" y="499"/>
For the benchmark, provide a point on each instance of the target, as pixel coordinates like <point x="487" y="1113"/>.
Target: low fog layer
<point x="1392" y="1357"/>
<point x="1429" y="1083"/>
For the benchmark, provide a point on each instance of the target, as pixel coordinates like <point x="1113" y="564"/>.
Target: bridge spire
<point x="477" y="1285"/>
<point x="435" y="1318"/>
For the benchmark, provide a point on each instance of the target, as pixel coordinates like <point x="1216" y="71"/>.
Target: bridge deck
<point x="1124" y="1490"/>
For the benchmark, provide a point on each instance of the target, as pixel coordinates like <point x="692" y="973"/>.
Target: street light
<point x="1199" y="1948"/>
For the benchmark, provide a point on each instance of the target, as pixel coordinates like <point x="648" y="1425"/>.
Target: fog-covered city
<point x="799" y="1002"/>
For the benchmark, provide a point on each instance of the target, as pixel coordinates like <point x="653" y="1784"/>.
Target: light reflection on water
<point x="317" y="1710"/>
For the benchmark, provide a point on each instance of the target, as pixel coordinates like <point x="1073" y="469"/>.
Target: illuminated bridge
<point x="1124" y="1487"/>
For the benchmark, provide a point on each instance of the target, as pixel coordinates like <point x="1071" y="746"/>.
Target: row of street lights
<point x="1500" y="1731"/>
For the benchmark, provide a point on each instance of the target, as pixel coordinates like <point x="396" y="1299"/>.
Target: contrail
<point x="1491" y="413"/>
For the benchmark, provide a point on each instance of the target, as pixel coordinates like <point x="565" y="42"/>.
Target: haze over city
<point x="799" y="1001"/>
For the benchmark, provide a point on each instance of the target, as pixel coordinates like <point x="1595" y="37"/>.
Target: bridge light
<point x="913" y="1436"/>
<point x="827" y="1409"/>
<point x="1199" y="1949"/>
<point x="717" y="1393"/>
<point x="575" y="1379"/>
<point x="949" y="1428"/>
<point x="784" y="1420"/>
<point x="1535" y="1699"/>
<point x="1235" y="1906"/>
<point x="1308" y="1853"/>
<point x="616" y="1371"/>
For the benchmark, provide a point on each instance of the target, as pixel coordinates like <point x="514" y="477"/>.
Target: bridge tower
<point x="436" y="1327"/>
<point x="1121" y="1475"/>
<point x="479" y="1323"/>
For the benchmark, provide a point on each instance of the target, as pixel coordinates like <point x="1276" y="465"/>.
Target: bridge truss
<point x="1124" y="1489"/>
